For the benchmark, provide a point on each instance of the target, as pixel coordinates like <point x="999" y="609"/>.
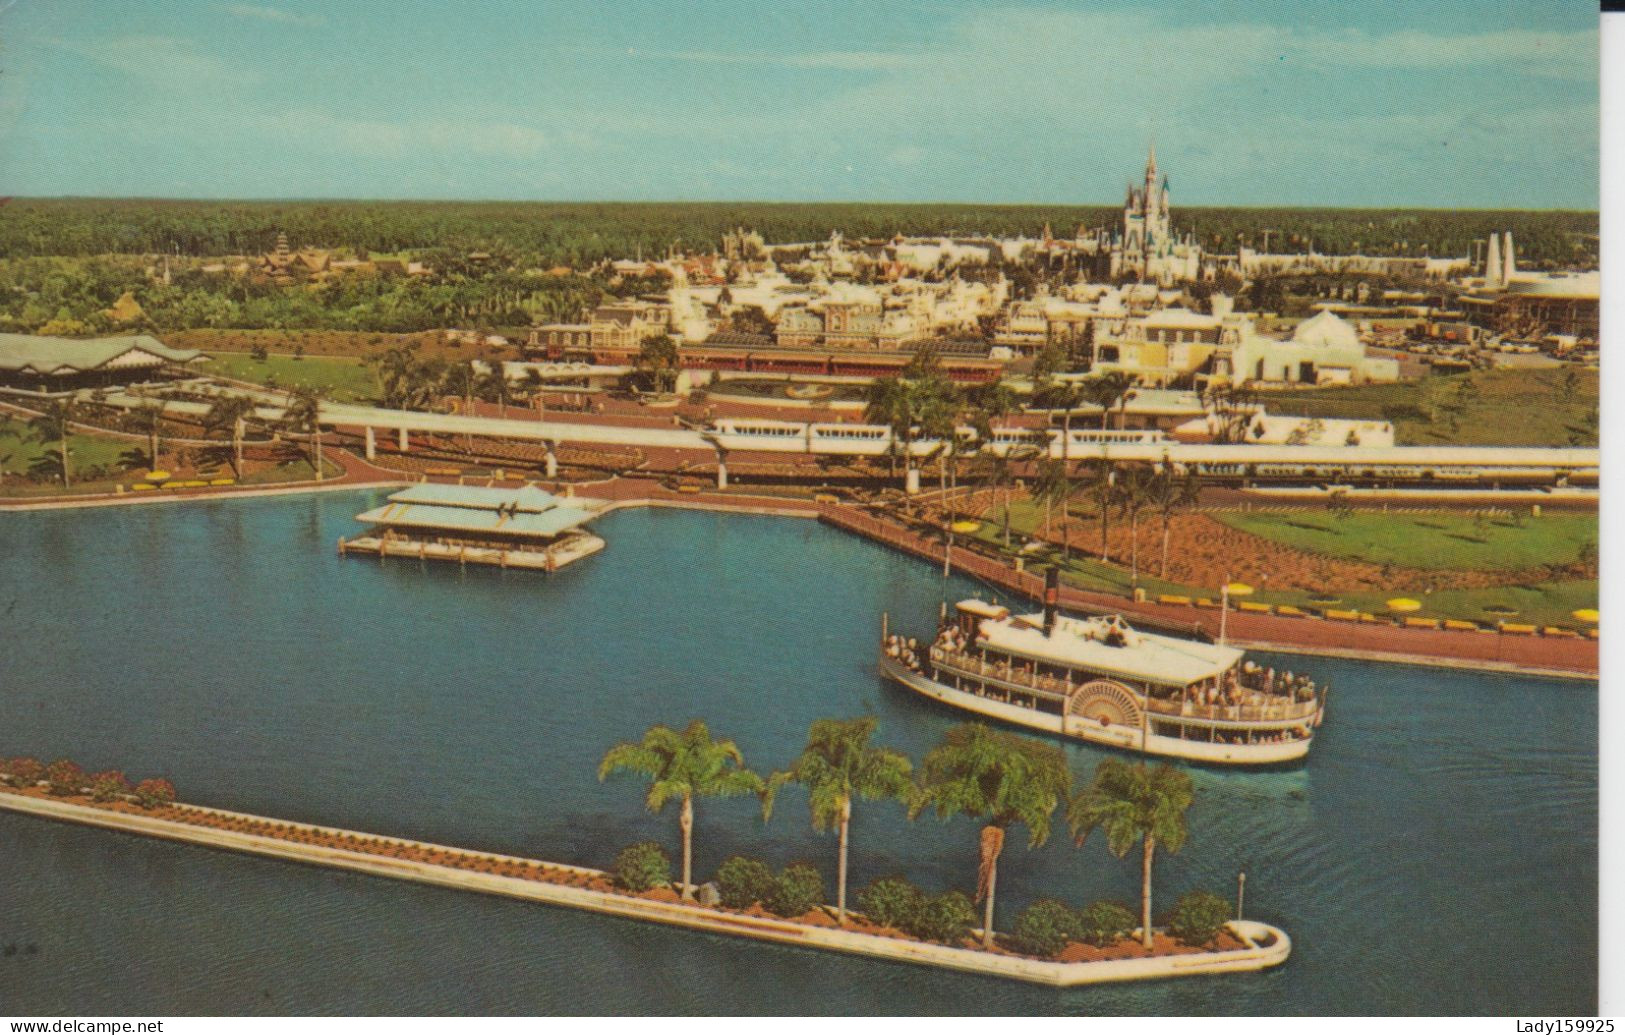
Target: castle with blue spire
<point x="1147" y="246"/>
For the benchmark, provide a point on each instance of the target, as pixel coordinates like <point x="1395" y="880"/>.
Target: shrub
<point x="642" y="866"/>
<point x="65" y="776"/>
<point x="1197" y="917"/>
<point x="1043" y="928"/>
<point x="26" y="772"/>
<point x="1101" y="923"/>
<point x="946" y="918"/>
<point x="154" y="792"/>
<point x="742" y="882"/>
<point x="891" y="902"/>
<point x="799" y="888"/>
<point x="109" y="785"/>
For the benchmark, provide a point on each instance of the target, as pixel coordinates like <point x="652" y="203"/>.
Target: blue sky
<point x="1448" y="103"/>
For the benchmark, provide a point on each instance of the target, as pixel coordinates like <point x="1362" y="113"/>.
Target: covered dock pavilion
<point x="527" y="527"/>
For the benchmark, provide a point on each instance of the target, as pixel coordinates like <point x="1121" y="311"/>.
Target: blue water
<point x="1438" y="853"/>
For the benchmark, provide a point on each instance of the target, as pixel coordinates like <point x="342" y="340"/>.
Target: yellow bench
<point x="688" y="488"/>
<point x="1248" y="605"/>
<point x="1553" y="630"/>
<point x="222" y="481"/>
<point x="444" y="472"/>
<point x="1591" y="633"/>
<point x="1169" y="598"/>
<point x="1205" y="602"/>
<point x="1518" y="629"/>
<point x="1460" y="626"/>
<point x="1342" y="616"/>
<point x="143" y="487"/>
<point x="1370" y="619"/>
<point x="1290" y="611"/>
<point x="1421" y="623"/>
<point x="824" y="497"/>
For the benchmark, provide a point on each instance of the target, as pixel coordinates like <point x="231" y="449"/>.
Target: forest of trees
<point x="65" y="263"/>
<point x="577" y="234"/>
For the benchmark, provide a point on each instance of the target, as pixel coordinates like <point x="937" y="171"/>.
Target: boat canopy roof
<point x="1088" y="644"/>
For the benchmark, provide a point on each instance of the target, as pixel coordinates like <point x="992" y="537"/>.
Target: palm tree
<point x="1054" y="484"/>
<point x="231" y="413"/>
<point x="460" y="379"/>
<point x="399" y="376"/>
<point x="682" y="766"/>
<point x="891" y="402"/>
<point x="148" y="419"/>
<point x="55" y="424"/>
<point x="1001" y="779"/>
<point x="1065" y="396"/>
<point x="1103" y="487"/>
<point x="837" y="764"/>
<point x="1134" y="803"/>
<point x="493" y="387"/>
<point x="302" y="416"/>
<point x="1172" y="493"/>
<point x="1134" y="494"/>
<point x="998" y="473"/>
<point x="1108" y="390"/>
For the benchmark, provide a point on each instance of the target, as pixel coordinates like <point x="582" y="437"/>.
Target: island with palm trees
<point x="996" y="779"/>
<point x="1102" y="681"/>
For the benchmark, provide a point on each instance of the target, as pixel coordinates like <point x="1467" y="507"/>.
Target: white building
<point x="1324" y="349"/>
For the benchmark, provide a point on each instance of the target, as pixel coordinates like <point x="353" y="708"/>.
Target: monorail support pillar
<point x="552" y="459"/>
<point x="372" y="444"/>
<point x="911" y="481"/>
<point x="722" y="469"/>
<point x="405" y="440"/>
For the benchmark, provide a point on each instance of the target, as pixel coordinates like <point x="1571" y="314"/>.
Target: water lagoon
<point x="1437" y="854"/>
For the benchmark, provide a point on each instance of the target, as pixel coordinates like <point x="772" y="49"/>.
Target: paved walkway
<point x="1485" y="650"/>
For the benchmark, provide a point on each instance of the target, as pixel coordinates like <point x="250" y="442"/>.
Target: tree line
<point x="997" y="779"/>
<point x="578" y="234"/>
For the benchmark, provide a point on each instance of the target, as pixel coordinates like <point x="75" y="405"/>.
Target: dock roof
<point x="526" y="511"/>
<point x="473" y="519"/>
<point x="528" y="499"/>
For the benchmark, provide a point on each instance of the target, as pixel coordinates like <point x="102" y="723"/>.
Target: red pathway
<point x="1311" y="635"/>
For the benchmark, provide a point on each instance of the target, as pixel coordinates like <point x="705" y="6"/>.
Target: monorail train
<point x="778" y="436"/>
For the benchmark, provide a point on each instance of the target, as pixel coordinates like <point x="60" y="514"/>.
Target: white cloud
<point x="274" y="14"/>
<point x="375" y="136"/>
<point x="169" y="60"/>
<point x="840" y="60"/>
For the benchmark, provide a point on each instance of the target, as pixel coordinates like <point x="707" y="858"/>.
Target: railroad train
<point x="1240" y="465"/>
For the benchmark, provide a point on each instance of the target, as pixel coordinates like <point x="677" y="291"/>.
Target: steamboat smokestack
<point x="1052" y="598"/>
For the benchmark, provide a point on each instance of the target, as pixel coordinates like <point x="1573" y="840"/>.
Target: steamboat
<point x="1102" y="681"/>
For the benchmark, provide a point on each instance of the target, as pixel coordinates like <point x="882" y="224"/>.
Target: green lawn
<point x="1542" y="603"/>
<point x="1451" y="541"/>
<point x="342" y="379"/>
<point x="1409" y="540"/>
<point x="19" y="450"/>
<point x="1482" y="408"/>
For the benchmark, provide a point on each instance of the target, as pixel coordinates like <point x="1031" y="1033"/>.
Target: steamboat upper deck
<point x="1100" y="680"/>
